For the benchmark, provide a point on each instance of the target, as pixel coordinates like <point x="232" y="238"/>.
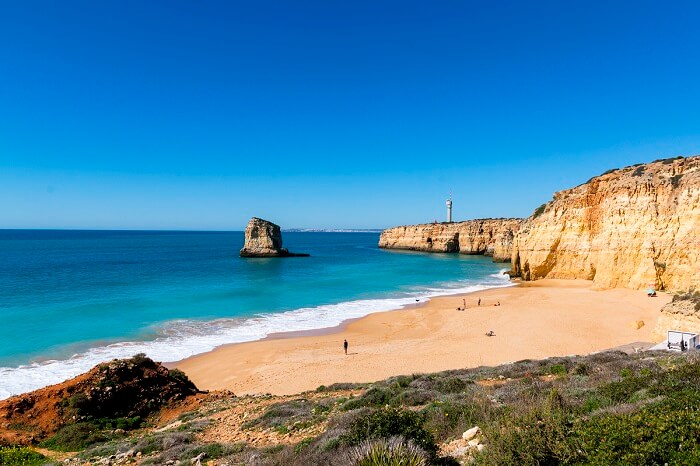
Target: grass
<point x="20" y="456"/>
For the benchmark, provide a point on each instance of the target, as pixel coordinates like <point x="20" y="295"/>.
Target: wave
<point x="180" y="339"/>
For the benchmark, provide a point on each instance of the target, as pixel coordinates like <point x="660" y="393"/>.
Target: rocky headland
<point x="490" y="237"/>
<point x="264" y="239"/>
<point x="634" y="227"/>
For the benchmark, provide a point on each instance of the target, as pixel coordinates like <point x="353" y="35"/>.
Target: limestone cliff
<point x="683" y="313"/>
<point x="491" y="237"/>
<point x="634" y="227"/>
<point x="264" y="239"/>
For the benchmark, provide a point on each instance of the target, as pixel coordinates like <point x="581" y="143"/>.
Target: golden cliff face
<point x="634" y="227"/>
<point x="491" y="237"/>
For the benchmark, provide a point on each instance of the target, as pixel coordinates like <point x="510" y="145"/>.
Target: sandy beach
<point x="535" y="320"/>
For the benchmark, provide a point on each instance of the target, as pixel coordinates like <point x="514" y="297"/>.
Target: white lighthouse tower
<point x="449" y="209"/>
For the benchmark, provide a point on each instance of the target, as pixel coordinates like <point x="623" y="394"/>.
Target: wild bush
<point x="20" y="456"/>
<point x="75" y="437"/>
<point x="661" y="434"/>
<point x="395" y="451"/>
<point x="391" y="422"/>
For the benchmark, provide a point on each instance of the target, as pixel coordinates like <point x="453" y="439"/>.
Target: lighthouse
<point x="449" y="209"/>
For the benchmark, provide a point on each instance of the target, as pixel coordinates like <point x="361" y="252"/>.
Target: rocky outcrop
<point x="634" y="227"/>
<point x="683" y="313"/>
<point x="491" y="237"/>
<point x="264" y="239"/>
<point x="121" y="389"/>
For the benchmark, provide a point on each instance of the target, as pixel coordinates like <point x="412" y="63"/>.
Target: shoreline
<point x="535" y="320"/>
<point x="38" y="374"/>
<point x="338" y="328"/>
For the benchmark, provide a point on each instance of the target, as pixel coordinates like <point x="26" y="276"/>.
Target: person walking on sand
<point x="479" y="302"/>
<point x="345" y="346"/>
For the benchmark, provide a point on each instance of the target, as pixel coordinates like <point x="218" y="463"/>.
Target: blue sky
<point x="367" y="114"/>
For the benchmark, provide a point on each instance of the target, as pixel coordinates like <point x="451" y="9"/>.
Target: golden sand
<point x="535" y="320"/>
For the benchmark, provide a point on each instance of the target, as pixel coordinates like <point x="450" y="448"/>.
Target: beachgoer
<point x="464" y="303"/>
<point x="479" y="302"/>
<point x="345" y="346"/>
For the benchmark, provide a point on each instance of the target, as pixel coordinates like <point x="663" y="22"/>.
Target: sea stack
<point x="264" y="239"/>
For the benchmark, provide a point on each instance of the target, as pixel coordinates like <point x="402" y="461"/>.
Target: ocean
<point x="72" y="299"/>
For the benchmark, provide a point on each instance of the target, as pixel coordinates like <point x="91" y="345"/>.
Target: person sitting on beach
<point x="498" y="303"/>
<point x="490" y="333"/>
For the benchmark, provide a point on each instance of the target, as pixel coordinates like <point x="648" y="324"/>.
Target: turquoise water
<point x="70" y="299"/>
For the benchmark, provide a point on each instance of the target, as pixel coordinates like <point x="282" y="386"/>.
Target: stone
<point x="471" y="433"/>
<point x="682" y="314"/>
<point x="489" y="237"/>
<point x="264" y="239"/>
<point x="634" y="227"/>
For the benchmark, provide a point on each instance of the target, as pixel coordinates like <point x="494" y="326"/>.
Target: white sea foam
<point x="184" y="338"/>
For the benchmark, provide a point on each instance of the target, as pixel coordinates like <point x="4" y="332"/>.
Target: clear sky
<point x="328" y="114"/>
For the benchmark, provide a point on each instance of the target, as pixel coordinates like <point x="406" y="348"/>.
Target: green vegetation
<point x="20" y="456"/>
<point x="392" y="422"/>
<point x="75" y="437"/>
<point x="392" y="452"/>
<point x="601" y="409"/>
<point x="539" y="211"/>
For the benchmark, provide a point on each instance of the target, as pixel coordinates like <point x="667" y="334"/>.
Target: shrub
<point x="302" y="444"/>
<point x="450" y="385"/>
<point x="177" y="374"/>
<point x="16" y="456"/>
<point x="558" y="369"/>
<point x="582" y="369"/>
<point x="390" y="422"/>
<point x="622" y="390"/>
<point x="163" y="441"/>
<point x="539" y="211"/>
<point x="74" y="437"/>
<point x="79" y="402"/>
<point x="413" y="397"/>
<point x="536" y="437"/>
<point x="659" y="434"/>
<point x="389" y="452"/>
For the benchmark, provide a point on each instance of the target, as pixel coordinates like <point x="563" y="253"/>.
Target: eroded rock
<point x="636" y="227"/>
<point x="490" y="237"/>
<point x="264" y="239"/>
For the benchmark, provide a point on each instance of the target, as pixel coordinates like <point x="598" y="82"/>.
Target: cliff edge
<point x="490" y="237"/>
<point x="633" y="227"/>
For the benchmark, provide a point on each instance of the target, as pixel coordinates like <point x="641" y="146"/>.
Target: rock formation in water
<point x="491" y="237"/>
<point x="264" y="239"/>
<point x="683" y="313"/>
<point x="634" y="227"/>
